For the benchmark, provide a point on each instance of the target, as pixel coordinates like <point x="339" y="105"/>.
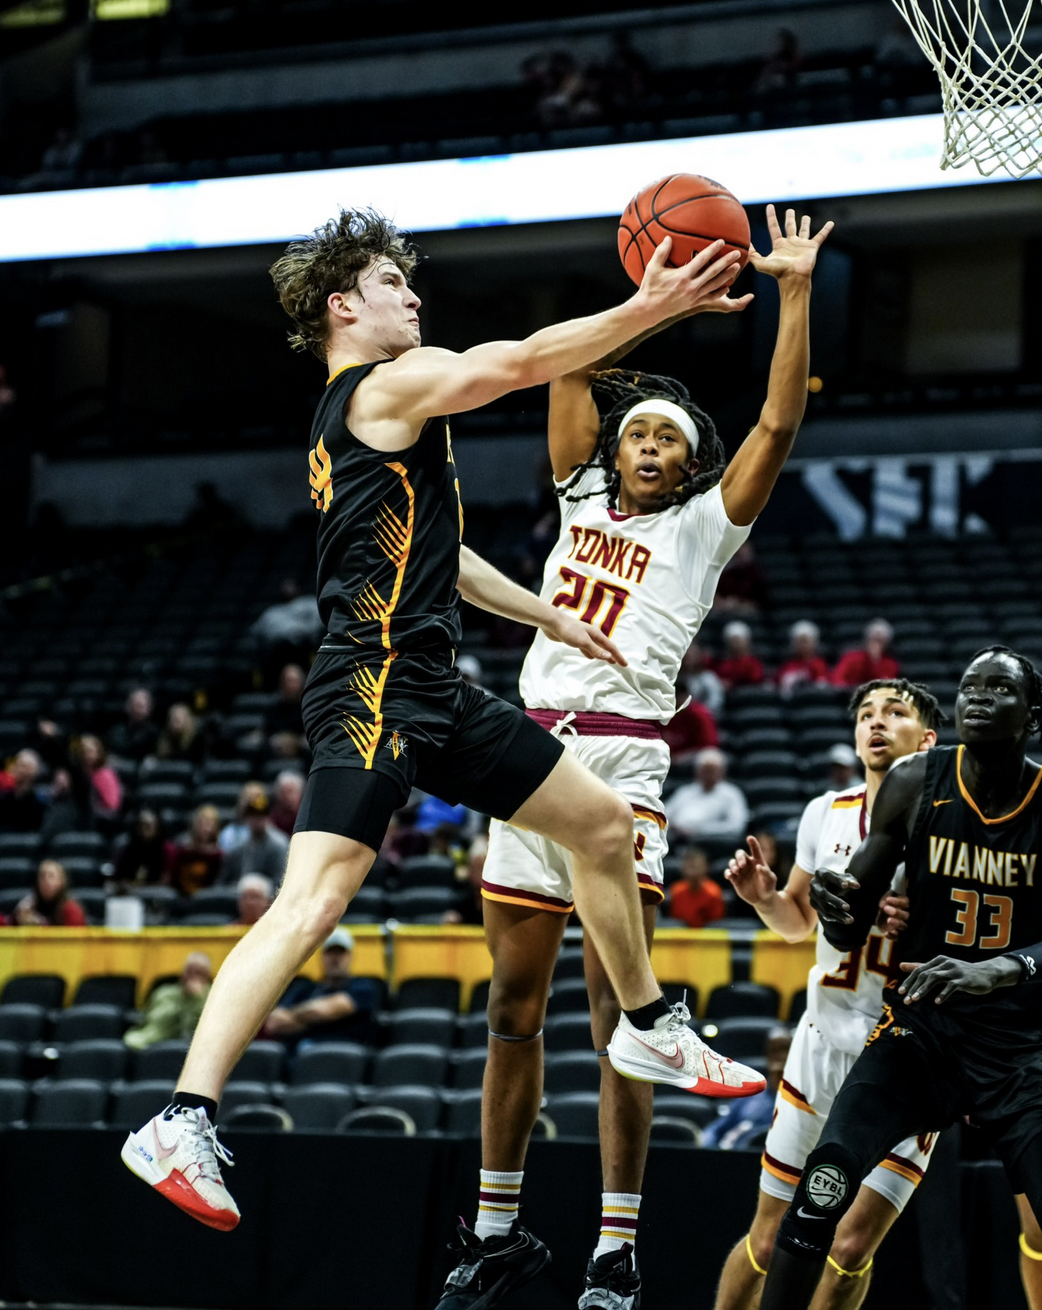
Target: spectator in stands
<point x="173" y="1009"/>
<point x="843" y="768"/>
<point x="66" y="811"/>
<point x="744" y="1123"/>
<point x="701" y="682"/>
<point x="197" y="857"/>
<point x="742" y="588"/>
<point x="104" y="787"/>
<point x="710" y="806"/>
<point x="181" y="738"/>
<point x="804" y="664"/>
<point x="339" y="1008"/>
<point x="142" y="856"/>
<point x="739" y="666"/>
<point x="264" y="850"/>
<point x="288" y="631"/>
<point x="569" y="95"/>
<point x="22" y="808"/>
<point x="782" y="65"/>
<point x="872" y="661"/>
<point x="49" y="903"/>
<point x="283" y="723"/>
<point x="255" y="893"/>
<point x="138" y="734"/>
<point x="235" y="833"/>
<point x="695" y="898"/>
<point x="288" y="791"/>
<point x="690" y="730"/>
<point x="627" y="72"/>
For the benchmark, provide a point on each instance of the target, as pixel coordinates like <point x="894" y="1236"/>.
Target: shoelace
<point x="681" y="1015"/>
<point x="206" y="1149"/>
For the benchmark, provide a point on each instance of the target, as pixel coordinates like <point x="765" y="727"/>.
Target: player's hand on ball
<point x="892" y="918"/>
<point x="942" y="976"/>
<point x="751" y="876"/>
<point x="827" y="889"/>
<point x="683" y="290"/>
<point x="583" y="636"/>
<point x="794" y="252"/>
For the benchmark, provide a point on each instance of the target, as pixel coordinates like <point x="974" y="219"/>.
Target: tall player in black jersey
<point x="961" y="1031"/>
<point x="385" y="707"/>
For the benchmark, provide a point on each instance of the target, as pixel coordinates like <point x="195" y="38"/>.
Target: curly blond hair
<point x="329" y="260"/>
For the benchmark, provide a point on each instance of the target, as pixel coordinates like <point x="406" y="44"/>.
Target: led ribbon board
<point x="799" y="163"/>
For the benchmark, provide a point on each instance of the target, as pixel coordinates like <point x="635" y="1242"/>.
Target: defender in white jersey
<point x="893" y="720"/>
<point x="650" y="516"/>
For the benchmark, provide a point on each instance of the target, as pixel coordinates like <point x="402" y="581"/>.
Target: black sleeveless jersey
<point x="389" y="531"/>
<point x="975" y="891"/>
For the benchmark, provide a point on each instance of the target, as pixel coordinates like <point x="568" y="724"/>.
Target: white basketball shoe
<point x="179" y="1155"/>
<point x="671" y="1053"/>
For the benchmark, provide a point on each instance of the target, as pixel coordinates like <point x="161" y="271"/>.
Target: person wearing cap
<point x="872" y="661"/>
<point x="651" y="513"/>
<point x="339" y="1008"/>
<point x="842" y="766"/>
<point x="739" y="666"/>
<point x="265" y="848"/>
<point x="804" y="664"/>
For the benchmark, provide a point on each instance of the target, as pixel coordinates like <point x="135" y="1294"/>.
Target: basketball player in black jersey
<point x="961" y="1029"/>
<point x="385" y="707"/>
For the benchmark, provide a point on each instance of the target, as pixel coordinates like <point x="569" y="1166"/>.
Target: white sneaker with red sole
<point x="670" y="1053"/>
<point x="179" y="1155"/>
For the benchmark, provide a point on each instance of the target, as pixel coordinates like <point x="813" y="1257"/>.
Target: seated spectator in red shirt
<point x="695" y="897"/>
<point x="871" y="661"/>
<point x="49" y="903"/>
<point x="804" y="664"/>
<point x="742" y="588"/>
<point x="689" y="730"/>
<point x="197" y="857"/>
<point x="739" y="666"/>
<point x="106" y="790"/>
<point x="21" y="807"/>
<point x="287" y="794"/>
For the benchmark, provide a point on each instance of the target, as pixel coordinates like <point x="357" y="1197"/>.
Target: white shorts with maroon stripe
<point x="523" y="869"/>
<point x="814" y="1072"/>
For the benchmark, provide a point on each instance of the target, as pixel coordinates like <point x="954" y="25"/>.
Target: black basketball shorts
<point x="379" y="724"/>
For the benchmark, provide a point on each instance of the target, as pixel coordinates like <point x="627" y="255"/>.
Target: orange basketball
<point x="695" y="211"/>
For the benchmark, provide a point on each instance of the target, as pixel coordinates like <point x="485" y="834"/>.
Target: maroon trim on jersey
<point x="619" y="517"/>
<point x="862" y="818"/>
<point x="588" y="723"/>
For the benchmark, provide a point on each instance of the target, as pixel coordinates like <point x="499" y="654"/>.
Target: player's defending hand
<point x="676" y="292"/>
<point x="946" y="976"/>
<point x="892" y="918"/>
<point x="794" y="252"/>
<point x="827" y="888"/>
<point x="752" y="878"/>
<point x="583" y="636"/>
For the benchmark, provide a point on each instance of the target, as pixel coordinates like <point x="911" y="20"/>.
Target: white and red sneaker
<point x="178" y="1154"/>
<point x="671" y="1053"/>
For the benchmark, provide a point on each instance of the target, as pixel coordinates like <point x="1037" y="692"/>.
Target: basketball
<point x="695" y="211"/>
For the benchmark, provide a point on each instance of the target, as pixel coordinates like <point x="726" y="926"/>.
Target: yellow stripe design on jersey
<point x="848" y="803"/>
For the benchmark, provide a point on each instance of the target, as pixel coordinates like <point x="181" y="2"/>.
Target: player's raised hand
<point x="827" y="889"/>
<point x="680" y="291"/>
<point x="752" y="878"/>
<point x="892" y="918"/>
<point x="942" y="976"/>
<point x="794" y="252"/>
<point x="583" y="636"/>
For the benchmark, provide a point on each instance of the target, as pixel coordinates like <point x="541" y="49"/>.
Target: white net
<point x="991" y="83"/>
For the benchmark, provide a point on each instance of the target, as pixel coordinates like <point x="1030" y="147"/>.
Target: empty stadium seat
<point x="427" y="871"/>
<point x="421" y="1103"/>
<point x="77" y="1102"/>
<point x="10" y="1060"/>
<point x="569" y="963"/>
<point x="330" y="1062"/>
<point x="243" y="1091"/>
<point x="160" y="1061"/>
<point x="462" y="1112"/>
<point x="378" y="1119"/>
<point x="102" y="1058"/>
<point x="679" y="1132"/>
<point x="107" y="989"/>
<point x="426" y="1024"/>
<point x="568" y="995"/>
<point x="81" y="1022"/>
<point x="262" y="1117"/>
<point x="133" y="1104"/>
<point x="571" y="1071"/>
<point x="318" y="1106"/>
<point x="743" y="1038"/>
<point x="22" y="1022"/>
<point x="412" y="1064"/>
<point x="428" y="993"/>
<point x="469" y="1068"/>
<point x="14" y="1100"/>
<point x="574" y="1114"/>
<point x="46" y="989"/>
<point x="700" y="1110"/>
<point x="261" y="1062"/>
<point x="743" y="998"/>
<point x="567" y="1032"/>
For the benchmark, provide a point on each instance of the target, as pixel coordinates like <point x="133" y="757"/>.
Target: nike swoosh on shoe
<point x="675" y="1061"/>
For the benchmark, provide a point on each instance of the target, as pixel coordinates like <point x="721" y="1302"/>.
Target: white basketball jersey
<point x="647" y="581"/>
<point x="844" y="990"/>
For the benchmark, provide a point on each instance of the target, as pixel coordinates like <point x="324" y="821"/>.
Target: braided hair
<point x="616" y="390"/>
<point x="1032" y="677"/>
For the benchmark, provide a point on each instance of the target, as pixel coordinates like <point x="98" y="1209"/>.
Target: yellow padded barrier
<point x="77" y="953"/>
<point x="781" y="964"/>
<point x="699" y="958"/>
<point x="441" y="951"/>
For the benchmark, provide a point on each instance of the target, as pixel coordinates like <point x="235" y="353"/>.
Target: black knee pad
<point x="825" y="1193"/>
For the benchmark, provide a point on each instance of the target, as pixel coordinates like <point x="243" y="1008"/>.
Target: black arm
<point x="877" y="858"/>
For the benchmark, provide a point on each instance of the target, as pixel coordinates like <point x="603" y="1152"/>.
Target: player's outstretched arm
<point x="751" y="475"/>
<point x="426" y="382"/>
<point x="847" y="903"/>
<point x="490" y="590"/>
<point x="787" y="912"/>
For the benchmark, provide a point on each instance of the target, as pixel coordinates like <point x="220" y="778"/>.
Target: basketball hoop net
<point x="991" y="86"/>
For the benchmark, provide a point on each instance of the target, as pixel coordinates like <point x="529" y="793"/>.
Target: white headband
<point x="664" y="409"/>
